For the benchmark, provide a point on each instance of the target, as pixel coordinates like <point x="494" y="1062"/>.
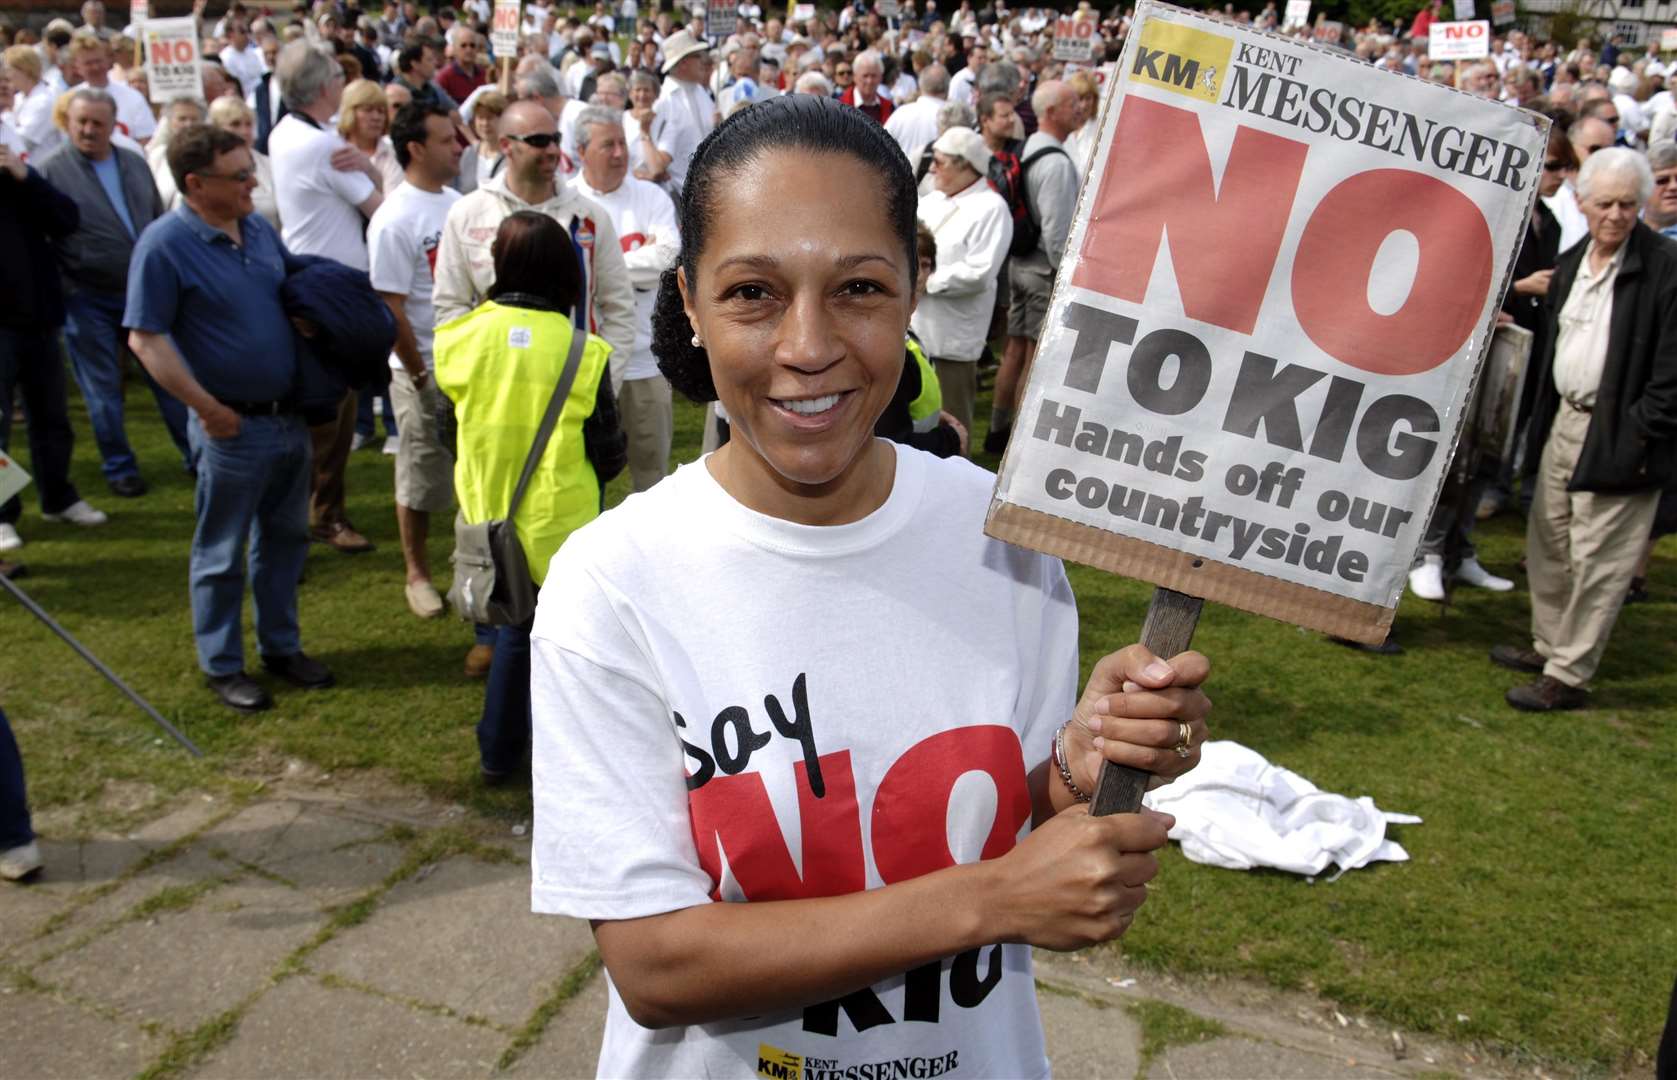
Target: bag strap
<point x="550" y="420"/>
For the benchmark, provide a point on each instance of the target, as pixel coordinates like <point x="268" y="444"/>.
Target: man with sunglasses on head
<point x="465" y="265"/>
<point x="204" y="317"/>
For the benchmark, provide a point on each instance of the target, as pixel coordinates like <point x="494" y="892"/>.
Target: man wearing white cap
<point x="685" y="106"/>
<point x="973" y="228"/>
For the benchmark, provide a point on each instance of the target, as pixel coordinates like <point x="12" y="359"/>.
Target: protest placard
<point x="12" y="477"/>
<point x="137" y="12"/>
<point x="1074" y="39"/>
<point x="1297" y="16"/>
<point x="503" y="29"/>
<point x="1502" y="12"/>
<point x="1668" y="41"/>
<point x="888" y="9"/>
<point x="1459" y="40"/>
<point x="1497" y="408"/>
<point x="721" y="18"/>
<point x="171" y="51"/>
<point x="803" y="12"/>
<point x="1464" y="10"/>
<point x="1252" y="373"/>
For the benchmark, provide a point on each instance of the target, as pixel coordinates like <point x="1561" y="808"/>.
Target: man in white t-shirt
<point x="914" y="125"/>
<point x="91" y="60"/>
<point x="402" y="245"/>
<point x="326" y="190"/>
<point x="242" y="57"/>
<point x="686" y="107"/>
<point x="645" y="220"/>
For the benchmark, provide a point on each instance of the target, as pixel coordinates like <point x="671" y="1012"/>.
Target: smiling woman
<point x="793" y="710"/>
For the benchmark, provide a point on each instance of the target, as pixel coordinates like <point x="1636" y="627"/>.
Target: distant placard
<point x="1668" y="41"/>
<point x="503" y="30"/>
<point x="1297" y="16"/>
<point x="1502" y="12"/>
<point x="138" y="11"/>
<point x="171" y="51"/>
<point x="722" y="18"/>
<point x="1459" y="40"/>
<point x="1465" y="11"/>
<point x="1074" y="39"/>
<point x="889" y="9"/>
<point x="803" y="12"/>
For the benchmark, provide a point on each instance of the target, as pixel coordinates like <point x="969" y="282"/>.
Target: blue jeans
<point x="29" y="360"/>
<point x="503" y="733"/>
<point x="94" y="335"/>
<point x="14" y="806"/>
<point x="365" y="423"/>
<point x="252" y="489"/>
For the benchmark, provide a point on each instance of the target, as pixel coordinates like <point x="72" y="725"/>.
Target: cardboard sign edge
<point x="1219" y="582"/>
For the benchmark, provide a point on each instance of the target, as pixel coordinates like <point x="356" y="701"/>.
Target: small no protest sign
<point x="1074" y="39"/>
<point x="503" y="30"/>
<point x="1278" y="288"/>
<point x="171" y="52"/>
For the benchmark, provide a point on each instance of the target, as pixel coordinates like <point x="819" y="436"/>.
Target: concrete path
<point x="315" y="932"/>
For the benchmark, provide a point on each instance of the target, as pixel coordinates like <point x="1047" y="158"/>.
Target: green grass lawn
<point x="1540" y="902"/>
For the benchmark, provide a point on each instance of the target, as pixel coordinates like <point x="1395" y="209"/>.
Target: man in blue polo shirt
<point x="205" y="318"/>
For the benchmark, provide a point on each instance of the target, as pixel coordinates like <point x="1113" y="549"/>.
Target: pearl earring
<point x="697" y="344"/>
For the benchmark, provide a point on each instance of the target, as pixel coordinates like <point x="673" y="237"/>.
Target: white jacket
<point x="973" y="230"/>
<point x="465" y="269"/>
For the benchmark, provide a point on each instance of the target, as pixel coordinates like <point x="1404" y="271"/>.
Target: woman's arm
<point x="603" y="440"/>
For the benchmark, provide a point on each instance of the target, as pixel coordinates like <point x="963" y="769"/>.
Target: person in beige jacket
<point x="465" y="267"/>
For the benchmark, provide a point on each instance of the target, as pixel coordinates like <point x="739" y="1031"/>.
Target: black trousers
<point x="30" y="361"/>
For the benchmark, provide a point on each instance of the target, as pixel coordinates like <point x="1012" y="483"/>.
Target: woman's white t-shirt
<point x="729" y="706"/>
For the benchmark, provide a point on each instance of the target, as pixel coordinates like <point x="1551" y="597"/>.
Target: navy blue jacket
<point x="355" y="330"/>
<point x="33" y="214"/>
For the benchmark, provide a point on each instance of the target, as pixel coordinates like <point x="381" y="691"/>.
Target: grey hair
<point x="594" y="116"/>
<point x="813" y="82"/>
<point x="998" y="77"/>
<point x="934" y="80"/>
<point x="643" y="78"/>
<point x="869" y="58"/>
<point x="303" y="72"/>
<point x="1616" y="161"/>
<point x="954" y="114"/>
<point x="1662" y="155"/>
<point x="536" y="76"/>
<point x="1048" y="94"/>
<point x="456" y="32"/>
<point x="93" y="94"/>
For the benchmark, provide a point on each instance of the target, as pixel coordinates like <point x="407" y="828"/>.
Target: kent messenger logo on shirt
<point x="1182" y="59"/>
<point x="773" y="1063"/>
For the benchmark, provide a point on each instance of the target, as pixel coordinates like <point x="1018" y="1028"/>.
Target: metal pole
<point x="98" y="665"/>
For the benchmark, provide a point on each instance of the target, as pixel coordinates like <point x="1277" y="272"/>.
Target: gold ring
<point x="1184" y="739"/>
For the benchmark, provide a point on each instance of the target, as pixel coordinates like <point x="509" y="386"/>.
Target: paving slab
<point x="182" y="821"/>
<point x="44" y="1039"/>
<point x="571" y="1044"/>
<point x="338" y="875"/>
<point x="461" y="935"/>
<point x="1220" y="1059"/>
<point x="184" y="967"/>
<point x="1098" y="1042"/>
<point x="253" y="832"/>
<point x="309" y="1031"/>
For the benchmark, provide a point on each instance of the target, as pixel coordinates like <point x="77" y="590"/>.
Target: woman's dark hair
<point x="800" y="122"/>
<point x="534" y="256"/>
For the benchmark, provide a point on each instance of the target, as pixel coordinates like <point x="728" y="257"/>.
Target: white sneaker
<point x="9" y="539"/>
<point x="1427" y="580"/>
<point x="19" y="862"/>
<point x="1471" y="573"/>
<point x="79" y="513"/>
<point x="390" y="444"/>
<point x="358" y="440"/>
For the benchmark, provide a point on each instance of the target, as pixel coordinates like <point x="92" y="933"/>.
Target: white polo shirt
<point x="317" y="203"/>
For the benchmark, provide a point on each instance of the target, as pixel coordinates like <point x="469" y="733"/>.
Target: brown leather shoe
<point x="1548" y="694"/>
<point x="1518" y="659"/>
<point x="340" y="535"/>
<point x="478" y="659"/>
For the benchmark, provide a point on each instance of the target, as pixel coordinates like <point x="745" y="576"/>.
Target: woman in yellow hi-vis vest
<point x="499" y="364"/>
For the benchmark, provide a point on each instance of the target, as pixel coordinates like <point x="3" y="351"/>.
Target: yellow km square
<point x="1182" y="59"/>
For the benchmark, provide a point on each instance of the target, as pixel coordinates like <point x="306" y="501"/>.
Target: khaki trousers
<point x="1581" y="552"/>
<point x="331" y="460"/>
<point x="959" y="381"/>
<point x="645" y="409"/>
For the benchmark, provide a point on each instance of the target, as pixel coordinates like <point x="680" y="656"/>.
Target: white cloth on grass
<point x="1238" y="811"/>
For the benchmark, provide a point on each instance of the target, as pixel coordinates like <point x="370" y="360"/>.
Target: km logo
<point x="1182" y="59"/>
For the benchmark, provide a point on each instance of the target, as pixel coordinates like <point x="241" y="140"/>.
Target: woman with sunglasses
<point x="808" y="746"/>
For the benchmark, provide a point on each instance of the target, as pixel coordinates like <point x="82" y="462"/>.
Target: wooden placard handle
<point x="1168" y="630"/>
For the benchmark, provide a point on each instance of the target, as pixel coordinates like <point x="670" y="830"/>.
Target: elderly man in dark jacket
<point x="1605" y="424"/>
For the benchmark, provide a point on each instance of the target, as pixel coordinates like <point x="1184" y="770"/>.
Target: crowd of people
<point x="393" y="145"/>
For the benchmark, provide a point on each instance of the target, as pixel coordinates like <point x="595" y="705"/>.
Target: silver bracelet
<point x="1065" y="770"/>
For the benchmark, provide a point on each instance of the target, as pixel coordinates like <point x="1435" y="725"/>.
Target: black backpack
<point x="1027" y="230"/>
